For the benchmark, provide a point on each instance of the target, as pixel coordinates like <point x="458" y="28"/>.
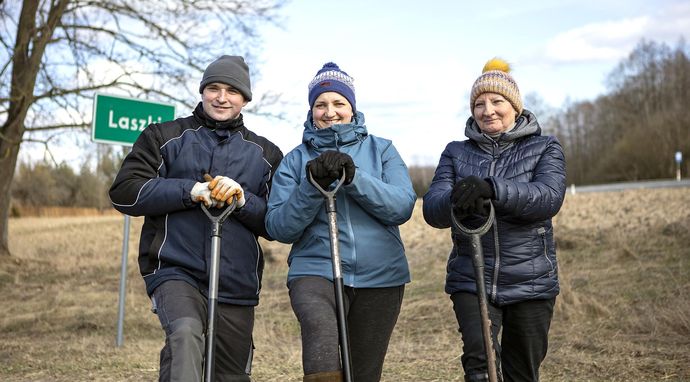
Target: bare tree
<point x="632" y="132"/>
<point x="55" y="54"/>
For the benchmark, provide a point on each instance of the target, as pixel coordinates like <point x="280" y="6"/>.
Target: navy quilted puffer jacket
<point x="155" y="181"/>
<point x="527" y="171"/>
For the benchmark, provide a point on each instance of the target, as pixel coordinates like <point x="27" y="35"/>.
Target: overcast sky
<point x="414" y="62"/>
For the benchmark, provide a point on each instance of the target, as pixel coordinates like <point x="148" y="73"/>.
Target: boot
<point x="326" y="376"/>
<point x="477" y="377"/>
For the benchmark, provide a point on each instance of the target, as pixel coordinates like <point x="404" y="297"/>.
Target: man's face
<point x="221" y="101"/>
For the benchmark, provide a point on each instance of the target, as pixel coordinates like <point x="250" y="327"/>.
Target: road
<point x="665" y="183"/>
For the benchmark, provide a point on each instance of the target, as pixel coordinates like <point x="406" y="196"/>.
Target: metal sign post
<point x="123" y="283"/>
<point x="119" y="121"/>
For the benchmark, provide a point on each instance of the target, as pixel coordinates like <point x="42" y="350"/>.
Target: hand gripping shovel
<point x="475" y="236"/>
<point x="216" y="235"/>
<point x="337" y="274"/>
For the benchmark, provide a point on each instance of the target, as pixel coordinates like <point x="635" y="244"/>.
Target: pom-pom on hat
<point x="230" y="70"/>
<point x="496" y="78"/>
<point x="331" y="79"/>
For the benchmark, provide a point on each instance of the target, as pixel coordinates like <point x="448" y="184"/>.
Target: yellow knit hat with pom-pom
<point x="496" y="78"/>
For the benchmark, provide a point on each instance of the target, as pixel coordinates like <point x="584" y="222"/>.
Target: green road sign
<point x="120" y="120"/>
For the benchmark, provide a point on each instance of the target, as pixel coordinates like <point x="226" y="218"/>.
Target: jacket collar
<point x="336" y="135"/>
<point x="525" y="125"/>
<point x="231" y="125"/>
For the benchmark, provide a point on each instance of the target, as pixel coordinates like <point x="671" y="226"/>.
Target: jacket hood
<point x="336" y="135"/>
<point x="525" y="125"/>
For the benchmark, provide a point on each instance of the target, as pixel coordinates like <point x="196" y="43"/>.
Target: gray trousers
<point x="371" y="316"/>
<point x="181" y="309"/>
<point x="524" y="341"/>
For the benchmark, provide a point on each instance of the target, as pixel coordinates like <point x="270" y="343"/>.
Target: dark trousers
<point x="371" y="316"/>
<point x="181" y="309"/>
<point x="524" y="337"/>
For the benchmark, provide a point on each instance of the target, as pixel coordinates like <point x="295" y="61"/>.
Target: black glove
<point x="328" y="167"/>
<point x="469" y="194"/>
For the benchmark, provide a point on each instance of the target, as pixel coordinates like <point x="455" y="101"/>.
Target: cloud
<point x="598" y="41"/>
<point x="613" y="40"/>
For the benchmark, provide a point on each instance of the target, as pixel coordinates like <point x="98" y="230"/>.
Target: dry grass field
<point x="623" y="314"/>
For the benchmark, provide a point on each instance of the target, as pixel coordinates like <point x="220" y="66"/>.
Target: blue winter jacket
<point x="369" y="209"/>
<point x="155" y="181"/>
<point x="527" y="172"/>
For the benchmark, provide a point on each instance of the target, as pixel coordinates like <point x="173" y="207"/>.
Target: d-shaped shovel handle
<point x="482" y="229"/>
<point x="326" y="193"/>
<point x="219" y="219"/>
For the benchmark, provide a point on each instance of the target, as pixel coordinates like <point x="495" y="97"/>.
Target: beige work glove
<point x="223" y="188"/>
<point x="202" y="193"/>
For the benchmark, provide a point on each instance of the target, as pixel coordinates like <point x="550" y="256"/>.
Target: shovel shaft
<point x="212" y="304"/>
<point x="214" y="271"/>
<point x="478" y="262"/>
<point x="338" y="285"/>
<point x="475" y="236"/>
<point x="338" y="288"/>
<point x="342" y="331"/>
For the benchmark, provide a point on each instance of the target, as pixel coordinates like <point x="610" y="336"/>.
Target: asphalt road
<point x="664" y="183"/>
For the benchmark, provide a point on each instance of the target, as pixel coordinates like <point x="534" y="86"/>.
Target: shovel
<point x="329" y="197"/>
<point x="216" y="235"/>
<point x="475" y="236"/>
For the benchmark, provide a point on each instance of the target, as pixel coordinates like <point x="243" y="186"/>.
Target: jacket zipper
<point x="497" y="249"/>
<point x="542" y="232"/>
<point x="351" y="232"/>
<point x="497" y="265"/>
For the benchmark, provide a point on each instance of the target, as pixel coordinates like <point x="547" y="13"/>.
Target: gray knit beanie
<point x="230" y="70"/>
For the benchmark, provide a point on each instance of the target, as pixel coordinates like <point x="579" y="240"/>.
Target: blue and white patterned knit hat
<point x="331" y="79"/>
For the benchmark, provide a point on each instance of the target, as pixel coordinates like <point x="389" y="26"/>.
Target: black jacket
<point x="527" y="172"/>
<point x="155" y="181"/>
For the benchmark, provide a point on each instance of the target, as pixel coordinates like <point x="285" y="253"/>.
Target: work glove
<point x="202" y="193"/>
<point x="329" y="166"/>
<point x="224" y="188"/>
<point x="469" y="194"/>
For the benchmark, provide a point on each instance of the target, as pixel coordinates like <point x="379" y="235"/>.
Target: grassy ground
<point x="622" y="314"/>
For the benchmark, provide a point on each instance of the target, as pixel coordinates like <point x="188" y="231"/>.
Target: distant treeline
<point x="46" y="184"/>
<point x="630" y="133"/>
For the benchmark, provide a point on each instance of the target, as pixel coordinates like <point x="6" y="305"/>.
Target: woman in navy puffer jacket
<point x="506" y="160"/>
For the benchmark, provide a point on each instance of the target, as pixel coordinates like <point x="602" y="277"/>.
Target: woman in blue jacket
<point x="376" y="197"/>
<point x="506" y="160"/>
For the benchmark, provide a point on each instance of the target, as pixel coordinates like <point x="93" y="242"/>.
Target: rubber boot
<point x="326" y="376"/>
<point x="479" y="377"/>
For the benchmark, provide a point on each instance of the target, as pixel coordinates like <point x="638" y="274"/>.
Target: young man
<point x="163" y="180"/>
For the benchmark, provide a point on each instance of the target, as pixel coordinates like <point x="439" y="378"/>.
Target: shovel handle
<point x="326" y="193"/>
<point x="223" y="215"/>
<point x="482" y="229"/>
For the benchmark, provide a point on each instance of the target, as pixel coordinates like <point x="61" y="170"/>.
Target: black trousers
<point x="524" y="341"/>
<point x="371" y="316"/>
<point x="181" y="309"/>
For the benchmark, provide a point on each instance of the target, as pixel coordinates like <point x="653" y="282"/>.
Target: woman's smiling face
<point x="493" y="113"/>
<point x="331" y="108"/>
